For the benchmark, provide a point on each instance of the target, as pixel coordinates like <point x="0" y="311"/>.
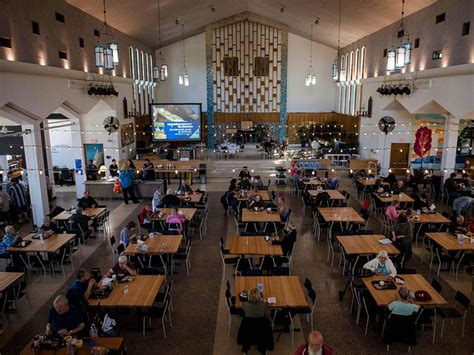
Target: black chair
<point x="120" y="249"/>
<point x="255" y="331"/>
<point x="453" y="312"/>
<point x="400" y="329"/>
<point x="231" y="309"/>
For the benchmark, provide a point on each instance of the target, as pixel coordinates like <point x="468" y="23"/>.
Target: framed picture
<point x="127" y="135"/>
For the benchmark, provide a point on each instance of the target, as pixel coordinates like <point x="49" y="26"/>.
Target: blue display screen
<point x="176" y="122"/>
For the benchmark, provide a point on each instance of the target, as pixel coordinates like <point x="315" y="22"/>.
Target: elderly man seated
<point x="48" y="228"/>
<point x="315" y="345"/>
<point x="122" y="268"/>
<point x="64" y="319"/>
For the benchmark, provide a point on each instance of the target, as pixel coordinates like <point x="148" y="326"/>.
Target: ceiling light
<point x="335" y="65"/>
<point x="160" y="70"/>
<point x="310" y="78"/>
<point x="183" y="78"/>
<point x="399" y="57"/>
<point x="282" y="9"/>
<point x="106" y="56"/>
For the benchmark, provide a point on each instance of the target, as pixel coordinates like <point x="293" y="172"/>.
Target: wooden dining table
<point x="50" y="245"/>
<point x="287" y="290"/>
<point x="192" y="197"/>
<point x="92" y="213"/>
<point x="110" y="343"/>
<point x="263" y="194"/>
<point x="188" y="213"/>
<point x="252" y="245"/>
<point x="340" y="214"/>
<point x="141" y="292"/>
<point x="333" y="194"/>
<point x="7" y="280"/>
<point x="249" y="216"/>
<point x="413" y="282"/>
<point x="450" y="242"/>
<point x="429" y="218"/>
<point x="402" y="198"/>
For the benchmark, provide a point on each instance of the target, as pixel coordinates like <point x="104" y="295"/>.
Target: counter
<point x="101" y="189"/>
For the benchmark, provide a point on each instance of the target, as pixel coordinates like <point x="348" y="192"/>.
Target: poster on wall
<point x="127" y="136"/>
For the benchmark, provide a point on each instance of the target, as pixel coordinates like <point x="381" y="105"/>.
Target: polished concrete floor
<point x="200" y="315"/>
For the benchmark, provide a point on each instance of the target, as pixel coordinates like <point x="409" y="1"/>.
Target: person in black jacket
<point x="170" y="199"/>
<point x="287" y="240"/>
<point x="113" y="168"/>
<point x="87" y="201"/>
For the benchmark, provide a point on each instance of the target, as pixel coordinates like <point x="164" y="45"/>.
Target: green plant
<point x="304" y="134"/>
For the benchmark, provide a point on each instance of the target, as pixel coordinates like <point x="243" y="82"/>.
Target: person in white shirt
<point x="381" y="265"/>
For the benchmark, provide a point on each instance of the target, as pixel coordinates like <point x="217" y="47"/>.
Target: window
<point x="441" y="17"/>
<point x="231" y="66"/>
<point x="60" y="17"/>
<point x="62" y="55"/>
<point x="96" y="33"/>
<point x="35" y="27"/>
<point x="417" y="42"/>
<point x="81" y="42"/>
<point x="466" y="26"/>
<point x="261" y="66"/>
<point x="437" y="55"/>
<point x="5" y="42"/>
<point x="385" y="52"/>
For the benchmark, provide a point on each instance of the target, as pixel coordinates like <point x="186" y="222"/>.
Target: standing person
<point x="19" y="199"/>
<point x="315" y="345"/>
<point x="4" y="205"/>
<point x="91" y="170"/>
<point x="126" y="176"/>
<point x="294" y="170"/>
<point x="113" y="168"/>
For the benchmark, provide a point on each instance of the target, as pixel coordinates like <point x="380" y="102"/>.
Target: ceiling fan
<point x="386" y="124"/>
<point x="111" y="124"/>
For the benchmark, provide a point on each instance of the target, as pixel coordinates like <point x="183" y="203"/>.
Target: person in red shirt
<point x="145" y="214"/>
<point x="315" y="345"/>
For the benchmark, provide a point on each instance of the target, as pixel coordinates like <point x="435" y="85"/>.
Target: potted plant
<point x="304" y="134"/>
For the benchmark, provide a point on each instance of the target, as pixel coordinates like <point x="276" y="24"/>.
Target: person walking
<point x="126" y="179"/>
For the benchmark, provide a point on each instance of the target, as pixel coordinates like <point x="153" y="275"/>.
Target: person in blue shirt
<point x="403" y="307"/>
<point x="126" y="176"/>
<point x="462" y="204"/>
<point x="333" y="182"/>
<point x="125" y="232"/>
<point x="10" y="239"/>
<point x="84" y="283"/>
<point x="64" y="319"/>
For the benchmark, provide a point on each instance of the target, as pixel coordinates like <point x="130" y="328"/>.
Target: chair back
<point x="462" y="299"/>
<point x="307" y="284"/>
<point x="112" y="241"/>
<point x="436" y="285"/>
<point x="120" y="249"/>
<point x="312" y="295"/>
<point x="400" y="329"/>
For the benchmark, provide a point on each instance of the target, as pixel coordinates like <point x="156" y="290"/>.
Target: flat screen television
<point x="176" y="122"/>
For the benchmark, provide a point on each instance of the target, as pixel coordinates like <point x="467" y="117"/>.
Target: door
<point x="399" y="158"/>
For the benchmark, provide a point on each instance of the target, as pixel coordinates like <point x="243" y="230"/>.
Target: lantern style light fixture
<point x="399" y="57"/>
<point x="106" y="56"/>
<point x="335" y="65"/>
<point x="311" y="74"/>
<point x="160" y="70"/>
<point x="183" y="78"/>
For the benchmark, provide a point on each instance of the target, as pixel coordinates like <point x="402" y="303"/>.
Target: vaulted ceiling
<point x="139" y="19"/>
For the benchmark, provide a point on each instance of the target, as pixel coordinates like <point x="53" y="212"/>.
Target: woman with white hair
<point x="381" y="265"/>
<point x="170" y="199"/>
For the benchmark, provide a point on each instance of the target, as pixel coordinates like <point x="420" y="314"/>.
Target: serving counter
<point x="104" y="188"/>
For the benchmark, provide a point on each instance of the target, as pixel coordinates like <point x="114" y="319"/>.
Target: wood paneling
<point x="255" y="117"/>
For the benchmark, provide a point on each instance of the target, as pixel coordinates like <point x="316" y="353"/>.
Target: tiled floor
<point x="200" y="318"/>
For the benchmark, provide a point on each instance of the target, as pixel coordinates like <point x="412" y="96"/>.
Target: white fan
<point x="111" y="124"/>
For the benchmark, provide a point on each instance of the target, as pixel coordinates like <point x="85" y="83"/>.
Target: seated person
<point x="125" y="232"/>
<point x="410" y="182"/>
<point x="10" y="239"/>
<point x="462" y="204"/>
<point x="402" y="236"/>
<point x="255" y="307"/>
<point x="185" y="188"/>
<point x="170" y="199"/>
<point x="391" y="179"/>
<point x="360" y="174"/>
<point x="84" y="283"/>
<point x="87" y="201"/>
<point x="286" y="240"/>
<point x="245" y="184"/>
<point x="315" y="345"/>
<point x="244" y="173"/>
<point x="282" y="210"/>
<point x="256" y="203"/>
<point x="78" y="219"/>
<point x="466" y="181"/>
<point x="381" y="265"/>
<point x="391" y="212"/>
<point x="145" y="217"/>
<point x="176" y="219"/>
<point x="403" y="307"/>
<point x="64" y="319"/>
<point x="421" y="201"/>
<point x="156" y="201"/>
<point x="452" y="187"/>
<point x="232" y="185"/>
<point x="48" y="228"/>
<point x="122" y="268"/>
<point x="257" y="182"/>
<point x="458" y="226"/>
<point x="399" y="188"/>
<point x="148" y="172"/>
<point x="333" y="181"/>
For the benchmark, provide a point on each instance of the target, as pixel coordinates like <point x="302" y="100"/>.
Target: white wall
<point x="301" y="98"/>
<point x="170" y="91"/>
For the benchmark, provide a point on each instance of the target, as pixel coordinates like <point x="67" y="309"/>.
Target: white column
<point x="4" y="166"/>
<point x="76" y="142"/>
<point x="451" y="133"/>
<point x="35" y="173"/>
<point x="49" y="157"/>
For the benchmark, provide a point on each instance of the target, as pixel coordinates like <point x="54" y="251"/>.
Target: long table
<point x="92" y="213"/>
<point x="254" y="245"/>
<point x="111" y="343"/>
<point x="286" y="289"/>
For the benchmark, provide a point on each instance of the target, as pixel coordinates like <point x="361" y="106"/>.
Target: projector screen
<point x="176" y="122"/>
